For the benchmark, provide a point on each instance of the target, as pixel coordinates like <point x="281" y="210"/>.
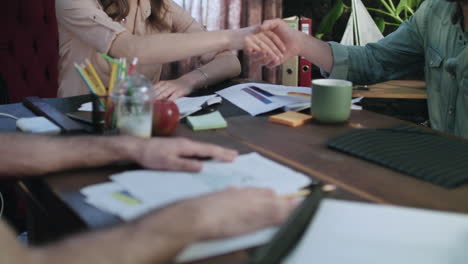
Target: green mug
<point x="331" y="100"/>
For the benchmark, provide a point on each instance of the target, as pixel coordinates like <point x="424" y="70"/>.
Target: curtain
<point x="233" y="14"/>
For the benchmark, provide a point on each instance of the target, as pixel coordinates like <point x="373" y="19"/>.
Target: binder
<point x="305" y="66"/>
<point x="289" y="71"/>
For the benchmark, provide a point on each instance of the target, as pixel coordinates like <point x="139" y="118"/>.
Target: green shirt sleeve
<point x="397" y="55"/>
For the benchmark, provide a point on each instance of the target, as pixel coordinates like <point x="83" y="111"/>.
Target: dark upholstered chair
<point x="29" y="48"/>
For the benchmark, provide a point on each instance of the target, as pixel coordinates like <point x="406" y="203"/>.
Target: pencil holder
<point x="104" y="115"/>
<point x="133" y="106"/>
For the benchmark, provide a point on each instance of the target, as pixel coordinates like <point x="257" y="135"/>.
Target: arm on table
<point x="158" y="237"/>
<point x="24" y="155"/>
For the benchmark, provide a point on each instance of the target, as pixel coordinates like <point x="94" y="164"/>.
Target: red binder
<point x="305" y="66"/>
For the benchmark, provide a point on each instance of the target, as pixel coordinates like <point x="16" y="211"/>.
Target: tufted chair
<point x="29" y="49"/>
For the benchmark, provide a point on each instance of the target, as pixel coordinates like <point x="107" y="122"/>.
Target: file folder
<point x="305" y="66"/>
<point x="289" y="71"/>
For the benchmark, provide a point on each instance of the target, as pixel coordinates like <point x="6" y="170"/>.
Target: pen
<point x="292" y="230"/>
<point x="298" y="194"/>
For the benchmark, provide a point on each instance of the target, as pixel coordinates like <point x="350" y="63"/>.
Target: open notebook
<point x="362" y="233"/>
<point x="134" y="193"/>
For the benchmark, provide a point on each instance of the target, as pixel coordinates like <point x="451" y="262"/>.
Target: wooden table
<point x="301" y="148"/>
<point x="398" y="89"/>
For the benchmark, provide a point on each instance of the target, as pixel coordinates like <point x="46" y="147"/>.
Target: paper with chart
<point x="134" y="193"/>
<point x="258" y="98"/>
<point x="361" y="233"/>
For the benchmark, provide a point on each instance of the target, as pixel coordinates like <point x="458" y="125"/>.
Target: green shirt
<point x="430" y="40"/>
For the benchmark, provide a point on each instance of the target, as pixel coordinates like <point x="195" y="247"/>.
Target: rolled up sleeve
<point x="86" y="20"/>
<point x="340" y="62"/>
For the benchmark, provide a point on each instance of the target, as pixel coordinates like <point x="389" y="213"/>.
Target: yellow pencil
<point x="87" y="80"/>
<point x="84" y="75"/>
<point x="297" y="194"/>
<point x="101" y="89"/>
<point x="112" y="78"/>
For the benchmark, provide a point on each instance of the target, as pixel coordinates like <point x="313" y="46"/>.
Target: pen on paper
<point x="297" y="194"/>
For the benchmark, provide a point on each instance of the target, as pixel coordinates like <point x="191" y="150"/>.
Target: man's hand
<point x="178" y="154"/>
<point x="238" y="211"/>
<point x="253" y="40"/>
<point x="279" y="32"/>
<point x="232" y="212"/>
<point x="172" y="89"/>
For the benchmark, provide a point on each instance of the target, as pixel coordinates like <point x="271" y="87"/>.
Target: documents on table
<point x="361" y="233"/>
<point x="186" y="105"/>
<point x="258" y="98"/>
<point x="189" y="105"/>
<point x="134" y="193"/>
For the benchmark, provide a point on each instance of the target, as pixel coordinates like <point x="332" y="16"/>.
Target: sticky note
<point x="290" y="118"/>
<point x="209" y="121"/>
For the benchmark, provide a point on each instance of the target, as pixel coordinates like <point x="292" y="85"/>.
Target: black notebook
<point x="420" y="153"/>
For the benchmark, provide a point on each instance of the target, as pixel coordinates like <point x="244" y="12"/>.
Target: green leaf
<point x="401" y="6"/>
<point x="326" y="26"/>
<point x="380" y="22"/>
<point x="414" y="3"/>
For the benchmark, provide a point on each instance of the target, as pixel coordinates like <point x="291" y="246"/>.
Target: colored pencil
<point x="100" y="88"/>
<point x="84" y="75"/>
<point x="112" y="78"/>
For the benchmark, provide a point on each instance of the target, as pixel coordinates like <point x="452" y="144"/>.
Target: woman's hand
<point x="172" y="89"/>
<point x="276" y="31"/>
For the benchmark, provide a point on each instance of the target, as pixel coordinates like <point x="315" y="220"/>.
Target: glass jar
<point x="133" y="101"/>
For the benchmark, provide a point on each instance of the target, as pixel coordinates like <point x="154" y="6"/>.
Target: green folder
<point x="209" y="121"/>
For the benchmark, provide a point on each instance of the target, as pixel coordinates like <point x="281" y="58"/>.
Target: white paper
<point x="190" y="104"/>
<point x="101" y="197"/>
<point x="216" y="247"/>
<point x="354" y="102"/>
<point x="249" y="170"/>
<point x="86" y="107"/>
<point x="159" y="188"/>
<point x="362" y="233"/>
<point x="361" y="28"/>
<point x="254" y="102"/>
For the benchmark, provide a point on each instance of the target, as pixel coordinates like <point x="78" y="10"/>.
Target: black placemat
<point x="412" y="150"/>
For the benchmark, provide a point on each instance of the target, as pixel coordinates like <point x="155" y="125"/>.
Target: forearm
<point x="224" y="66"/>
<point x="316" y="51"/>
<point x="33" y="155"/>
<point x="169" y="47"/>
<point x="157" y="238"/>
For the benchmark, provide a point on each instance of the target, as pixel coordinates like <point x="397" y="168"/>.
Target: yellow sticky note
<point x="290" y="118"/>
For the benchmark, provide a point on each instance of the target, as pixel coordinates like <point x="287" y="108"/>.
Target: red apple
<point x="165" y="117"/>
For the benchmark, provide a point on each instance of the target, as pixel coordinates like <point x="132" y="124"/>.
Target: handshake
<point x="274" y="42"/>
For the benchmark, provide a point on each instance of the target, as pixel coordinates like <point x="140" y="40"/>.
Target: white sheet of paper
<point x="216" y="247"/>
<point x="255" y="102"/>
<point x="158" y="188"/>
<point x="190" y="104"/>
<point x="101" y="197"/>
<point x="362" y="233"/>
<point x="165" y="186"/>
<point x="86" y="107"/>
